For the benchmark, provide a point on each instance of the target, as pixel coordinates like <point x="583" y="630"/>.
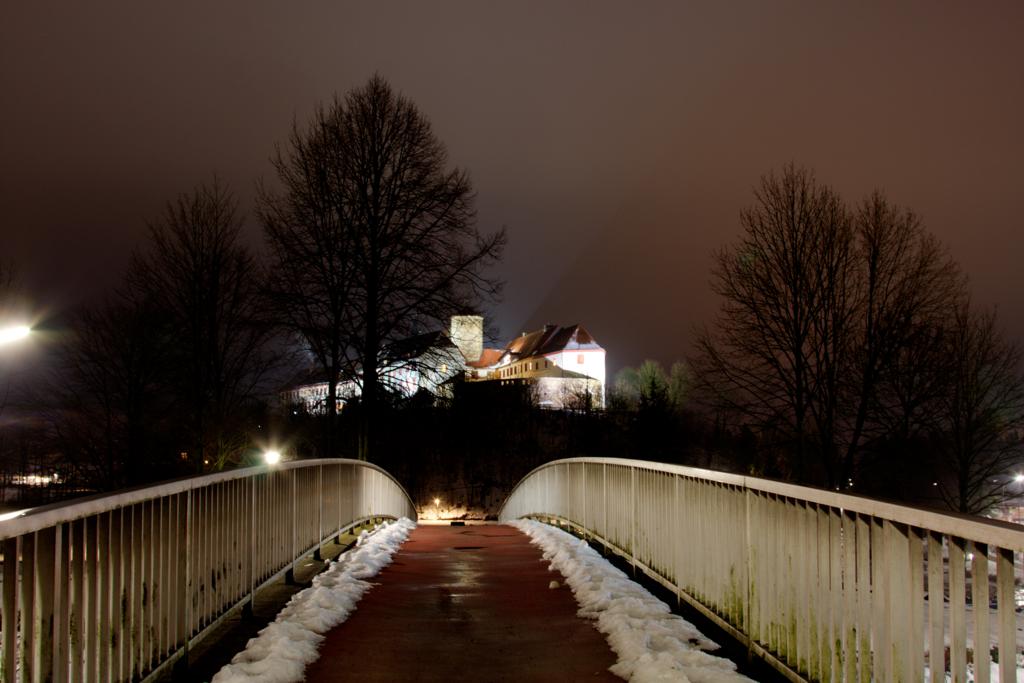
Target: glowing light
<point x="272" y="457"/>
<point x="1019" y="477"/>
<point x="437" y="501"/>
<point x="13" y="334"/>
<point x="12" y="515"/>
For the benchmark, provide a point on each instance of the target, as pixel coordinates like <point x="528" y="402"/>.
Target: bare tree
<point x="821" y="305"/>
<point x="106" y="400"/>
<point x="399" y="232"/>
<point x="204" y="281"/>
<point x="779" y="343"/>
<point x="906" y="284"/>
<point x="982" y="413"/>
<point x="308" y="231"/>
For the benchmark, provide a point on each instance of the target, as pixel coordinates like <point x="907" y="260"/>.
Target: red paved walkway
<point x="465" y="604"/>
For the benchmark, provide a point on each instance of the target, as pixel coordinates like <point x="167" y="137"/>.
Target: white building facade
<point x="563" y="366"/>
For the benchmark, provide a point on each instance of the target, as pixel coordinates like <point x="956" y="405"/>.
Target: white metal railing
<point x="116" y="587"/>
<point x="824" y="586"/>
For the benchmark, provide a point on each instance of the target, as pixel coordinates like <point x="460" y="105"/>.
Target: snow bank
<point x="993" y="672"/>
<point x="652" y="643"/>
<point x="281" y="651"/>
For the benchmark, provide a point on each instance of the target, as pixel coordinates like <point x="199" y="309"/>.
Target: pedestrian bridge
<point x="821" y="585"/>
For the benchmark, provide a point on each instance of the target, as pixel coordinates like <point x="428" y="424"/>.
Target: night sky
<point x="616" y="141"/>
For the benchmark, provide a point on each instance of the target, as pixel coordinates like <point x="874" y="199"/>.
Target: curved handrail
<point x="982" y="529"/>
<point x="119" y="586"/>
<point x="25" y="521"/>
<point x="822" y="585"/>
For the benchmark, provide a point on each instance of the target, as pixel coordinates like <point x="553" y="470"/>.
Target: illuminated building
<point x="564" y="367"/>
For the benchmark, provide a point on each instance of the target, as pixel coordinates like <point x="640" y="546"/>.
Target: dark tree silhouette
<point x="820" y="303"/>
<point x="106" y="401"/>
<point x="204" y="282"/>
<point x="776" y="353"/>
<point x="373" y="237"/>
<point x="907" y="284"/>
<point x="982" y="413"/>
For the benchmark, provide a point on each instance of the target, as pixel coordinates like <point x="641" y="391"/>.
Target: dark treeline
<point x="847" y="352"/>
<point x="165" y="376"/>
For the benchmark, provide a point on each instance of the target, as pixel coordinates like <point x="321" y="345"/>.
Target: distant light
<point x="1019" y="477"/>
<point x="13" y="334"/>
<point x="437" y="501"/>
<point x="272" y="457"/>
<point x="34" y="479"/>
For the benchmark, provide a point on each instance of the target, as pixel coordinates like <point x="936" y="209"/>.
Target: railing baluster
<point x="823" y="607"/>
<point x="151" y="589"/>
<point x="42" y="578"/>
<point x="916" y="569"/>
<point x="899" y="610"/>
<point x="1006" y="604"/>
<point x="117" y="594"/>
<point x="28" y="558"/>
<point x="979" y="601"/>
<point x="9" y="615"/>
<point x="62" y="600"/>
<point x="138" y="549"/>
<point x="103" y="593"/>
<point x="77" y="591"/>
<point x="936" y="600"/>
<point x="957" y="611"/>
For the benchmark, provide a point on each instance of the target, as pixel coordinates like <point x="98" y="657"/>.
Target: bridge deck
<point x="465" y="603"/>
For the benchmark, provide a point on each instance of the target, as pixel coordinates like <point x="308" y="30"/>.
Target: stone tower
<point x="467" y="333"/>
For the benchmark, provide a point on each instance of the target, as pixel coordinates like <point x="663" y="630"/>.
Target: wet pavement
<point x="465" y="604"/>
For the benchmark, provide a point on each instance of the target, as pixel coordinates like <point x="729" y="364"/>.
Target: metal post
<point x="320" y="512"/>
<point x="181" y="666"/>
<point x="250" y="607"/>
<point x="289" y="576"/>
<point x="604" y="507"/>
<point x="632" y="518"/>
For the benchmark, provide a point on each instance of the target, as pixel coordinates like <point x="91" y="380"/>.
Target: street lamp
<point x="272" y="457"/>
<point x="13" y="334"/>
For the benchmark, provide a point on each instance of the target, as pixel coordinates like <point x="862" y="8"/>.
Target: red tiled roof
<point x="488" y="358"/>
<point x="551" y="339"/>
